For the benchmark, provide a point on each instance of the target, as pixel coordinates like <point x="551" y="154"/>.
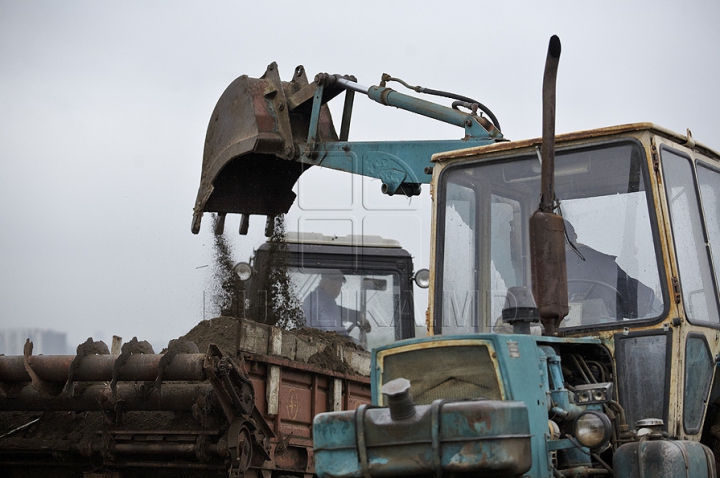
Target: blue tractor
<point x="577" y="337"/>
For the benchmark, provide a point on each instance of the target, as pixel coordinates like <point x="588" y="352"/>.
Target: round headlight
<point x="422" y="278"/>
<point x="592" y="429"/>
<point x="243" y="270"/>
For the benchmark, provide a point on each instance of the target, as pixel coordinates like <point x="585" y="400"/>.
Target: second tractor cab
<point x="358" y="286"/>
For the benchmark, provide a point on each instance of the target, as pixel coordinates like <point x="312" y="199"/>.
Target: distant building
<point x="47" y="342"/>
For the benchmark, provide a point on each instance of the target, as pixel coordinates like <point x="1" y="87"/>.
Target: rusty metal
<point x="176" y="347"/>
<point x="290" y="364"/>
<point x="89" y="347"/>
<point x="43" y="386"/>
<point x="175" y="397"/>
<point x="128" y="350"/>
<point x="99" y="368"/>
<point x="188" y="391"/>
<point x="547" y="198"/>
<point x="250" y="141"/>
<point x="549" y="273"/>
<point x="547" y="231"/>
<point x="234" y="388"/>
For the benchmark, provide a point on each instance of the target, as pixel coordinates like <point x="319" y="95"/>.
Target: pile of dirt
<point x="220" y="331"/>
<point x="329" y="337"/>
<point x="329" y="359"/>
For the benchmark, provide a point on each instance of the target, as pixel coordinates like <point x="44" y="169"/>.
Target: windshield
<point x="484" y="245"/>
<point x="362" y="306"/>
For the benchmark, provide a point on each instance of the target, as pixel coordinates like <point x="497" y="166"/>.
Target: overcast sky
<point x="104" y="108"/>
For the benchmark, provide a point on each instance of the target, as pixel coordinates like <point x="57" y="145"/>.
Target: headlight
<point x="422" y="278"/>
<point x="592" y="429"/>
<point x="243" y="270"/>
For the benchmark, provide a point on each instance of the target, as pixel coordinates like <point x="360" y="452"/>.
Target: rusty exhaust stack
<point x="547" y="231"/>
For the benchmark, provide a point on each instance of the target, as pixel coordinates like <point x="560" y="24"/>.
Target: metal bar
<point x="315" y="118"/>
<point x="179" y="464"/>
<point x="149" y="448"/>
<point x="21" y="427"/>
<point x="161" y="432"/>
<point x="351" y="85"/>
<point x="174" y="397"/>
<point x="98" y="368"/>
<point x="347" y="115"/>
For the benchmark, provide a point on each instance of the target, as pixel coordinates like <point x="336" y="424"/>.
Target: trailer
<point x="247" y="411"/>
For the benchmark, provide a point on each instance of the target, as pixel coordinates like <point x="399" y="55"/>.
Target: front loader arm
<point x="264" y="133"/>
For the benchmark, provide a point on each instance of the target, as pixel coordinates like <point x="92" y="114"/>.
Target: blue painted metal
<point x="390" y="97"/>
<point x="393" y="162"/>
<point x="484" y="438"/>
<point x="526" y="376"/>
<point x="530" y="373"/>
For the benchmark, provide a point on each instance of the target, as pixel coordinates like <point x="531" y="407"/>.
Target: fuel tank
<point x="478" y="438"/>
<point x="664" y="459"/>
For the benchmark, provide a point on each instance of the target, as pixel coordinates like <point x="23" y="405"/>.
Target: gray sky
<point x="104" y="108"/>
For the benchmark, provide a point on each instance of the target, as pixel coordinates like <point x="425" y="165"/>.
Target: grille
<point x="459" y="372"/>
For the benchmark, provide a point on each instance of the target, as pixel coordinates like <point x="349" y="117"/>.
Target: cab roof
<point x="686" y="140"/>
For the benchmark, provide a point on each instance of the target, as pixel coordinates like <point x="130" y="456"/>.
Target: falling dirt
<point x="285" y="309"/>
<point x="227" y="295"/>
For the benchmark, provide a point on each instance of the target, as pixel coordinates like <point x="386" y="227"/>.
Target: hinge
<point x="654" y="155"/>
<point x="676" y="289"/>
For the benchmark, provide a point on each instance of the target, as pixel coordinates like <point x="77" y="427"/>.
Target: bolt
<point x="468" y="122"/>
<point x="281" y="106"/>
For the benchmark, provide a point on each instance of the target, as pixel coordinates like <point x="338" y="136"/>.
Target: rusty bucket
<point x="253" y="143"/>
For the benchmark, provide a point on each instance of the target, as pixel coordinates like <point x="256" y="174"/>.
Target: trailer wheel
<point x="240" y="448"/>
<point x="244" y="449"/>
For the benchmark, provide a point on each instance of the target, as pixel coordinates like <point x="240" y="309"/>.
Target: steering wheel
<point x="594" y="284"/>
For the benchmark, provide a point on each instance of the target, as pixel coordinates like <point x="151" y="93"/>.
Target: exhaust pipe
<point x="547" y="200"/>
<point x="547" y="230"/>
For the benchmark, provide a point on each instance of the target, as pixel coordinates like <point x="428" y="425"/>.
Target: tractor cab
<point x="641" y="210"/>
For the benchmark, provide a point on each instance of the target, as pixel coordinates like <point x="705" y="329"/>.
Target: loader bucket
<point x="251" y="147"/>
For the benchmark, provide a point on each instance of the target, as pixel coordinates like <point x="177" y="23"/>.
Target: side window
<point x="693" y="256"/>
<point x="698" y="375"/>
<point x="460" y="295"/>
<point x="709" y="180"/>
<point x="506" y="253"/>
